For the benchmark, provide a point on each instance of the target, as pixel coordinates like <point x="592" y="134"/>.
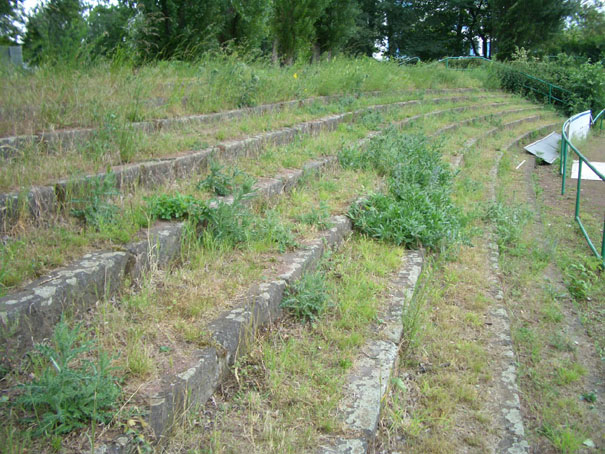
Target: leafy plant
<point x="580" y="278"/>
<point x="417" y="210"/>
<point x="224" y="183"/>
<point x="229" y="223"/>
<point x="173" y="206"/>
<point x="271" y="229"/>
<point x="308" y="297"/>
<point x="70" y="390"/>
<point x="94" y="206"/>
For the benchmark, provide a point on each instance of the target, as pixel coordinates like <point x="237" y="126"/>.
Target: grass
<point x="442" y="403"/>
<point x="40" y="248"/>
<point x="554" y="370"/>
<point x="159" y="324"/>
<point x="296" y="374"/>
<point x="55" y="98"/>
<point x="34" y="167"/>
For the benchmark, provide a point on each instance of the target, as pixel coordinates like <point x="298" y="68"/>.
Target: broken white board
<point x="546" y="148"/>
<point x="587" y="173"/>
<point x="579" y="125"/>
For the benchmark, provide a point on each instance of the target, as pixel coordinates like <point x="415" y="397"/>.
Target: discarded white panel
<point x="579" y="125"/>
<point x="547" y="148"/>
<point x="587" y="173"/>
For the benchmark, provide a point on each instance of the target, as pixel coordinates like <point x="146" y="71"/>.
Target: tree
<point x="10" y="13"/>
<point x="108" y="27"/>
<point x="425" y="28"/>
<point x="55" y="31"/>
<point x="584" y="34"/>
<point x="336" y="25"/>
<point x="527" y="23"/>
<point x="293" y="26"/>
<point x="368" y="28"/>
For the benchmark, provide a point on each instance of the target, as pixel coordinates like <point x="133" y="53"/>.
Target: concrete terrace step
<point x="43" y="201"/>
<point x="369" y="380"/>
<point x="34" y="311"/>
<point x="10" y="146"/>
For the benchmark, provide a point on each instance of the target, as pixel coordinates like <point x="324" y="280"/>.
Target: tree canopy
<point x="291" y="29"/>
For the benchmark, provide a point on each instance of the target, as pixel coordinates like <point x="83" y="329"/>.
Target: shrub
<point x="584" y="83"/>
<point x="417" y="210"/>
<point x="70" y="390"/>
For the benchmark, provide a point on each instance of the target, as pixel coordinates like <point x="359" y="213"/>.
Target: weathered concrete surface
<point x="161" y="245"/>
<point x="368" y="381"/>
<point x="233" y="332"/>
<point x="152" y="173"/>
<point x="33" y="312"/>
<point x="12" y="146"/>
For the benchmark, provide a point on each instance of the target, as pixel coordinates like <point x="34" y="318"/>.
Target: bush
<point x="417" y="210"/>
<point x="584" y="83"/>
<point x="70" y="390"/>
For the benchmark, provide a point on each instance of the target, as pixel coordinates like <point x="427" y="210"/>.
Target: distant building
<point x="11" y="55"/>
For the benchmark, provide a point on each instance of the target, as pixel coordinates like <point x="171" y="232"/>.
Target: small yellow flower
<point x="295" y="76"/>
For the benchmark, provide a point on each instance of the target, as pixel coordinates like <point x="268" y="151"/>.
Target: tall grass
<point x="52" y="97"/>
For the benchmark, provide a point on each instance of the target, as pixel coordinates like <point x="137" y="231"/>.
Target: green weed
<point x="318" y="216"/>
<point x="417" y="210"/>
<point x="580" y="278"/>
<point x="70" y="390"/>
<point x="223" y="183"/>
<point x="509" y="220"/>
<point x="308" y="297"/>
<point x="94" y="206"/>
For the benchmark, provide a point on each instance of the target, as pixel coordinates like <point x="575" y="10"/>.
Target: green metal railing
<point x="553" y="92"/>
<point x="566" y="145"/>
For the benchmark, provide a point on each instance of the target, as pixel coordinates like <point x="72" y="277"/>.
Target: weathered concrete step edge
<point x="232" y="332"/>
<point x="10" y="146"/>
<point x="30" y="314"/>
<point x="368" y="381"/>
<point x="473" y="141"/>
<point x="453" y="126"/>
<point x="42" y="202"/>
<point x="504" y="388"/>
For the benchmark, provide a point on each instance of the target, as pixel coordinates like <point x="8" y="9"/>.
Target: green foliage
<point x="509" y="221"/>
<point x="93" y="206"/>
<point x="229" y="223"/>
<point x="272" y="230"/>
<point x="55" y="31"/>
<point x="308" y="297"/>
<point x="70" y="390"/>
<point x="417" y="210"/>
<point x="114" y="135"/>
<point x="9" y="13"/>
<point x="584" y="82"/>
<point x="174" y="206"/>
<point x="580" y="278"/>
<point x="224" y="183"/>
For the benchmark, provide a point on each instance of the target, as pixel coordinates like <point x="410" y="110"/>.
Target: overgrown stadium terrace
<point x="320" y="276"/>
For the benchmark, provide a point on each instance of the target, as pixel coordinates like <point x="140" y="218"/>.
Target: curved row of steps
<point x="231" y="334"/>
